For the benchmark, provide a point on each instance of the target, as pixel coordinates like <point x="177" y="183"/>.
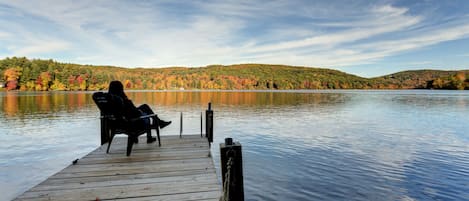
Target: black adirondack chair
<point x="112" y="110"/>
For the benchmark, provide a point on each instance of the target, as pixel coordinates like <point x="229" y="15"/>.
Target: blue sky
<point x="366" y="38"/>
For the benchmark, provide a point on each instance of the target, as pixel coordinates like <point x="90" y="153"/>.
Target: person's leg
<point x="147" y="126"/>
<point x="146" y="109"/>
<point x="156" y="121"/>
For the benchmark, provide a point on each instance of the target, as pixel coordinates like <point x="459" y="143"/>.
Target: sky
<point x="361" y="37"/>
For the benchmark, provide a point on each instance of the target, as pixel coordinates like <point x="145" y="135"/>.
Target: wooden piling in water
<point x="231" y="159"/>
<point x="201" y="125"/>
<point x="180" y="129"/>
<point x="209" y="123"/>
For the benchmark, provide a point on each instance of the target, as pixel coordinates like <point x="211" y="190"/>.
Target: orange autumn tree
<point x="43" y="81"/>
<point x="127" y="84"/>
<point x="11" y="76"/>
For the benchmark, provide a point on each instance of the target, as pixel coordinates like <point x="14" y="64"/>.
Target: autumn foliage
<point x="43" y="75"/>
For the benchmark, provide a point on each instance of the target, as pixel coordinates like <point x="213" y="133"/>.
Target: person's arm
<point x="130" y="110"/>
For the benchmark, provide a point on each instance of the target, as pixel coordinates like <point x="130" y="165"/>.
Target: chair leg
<point x="158" y="135"/>
<point x="130" y="143"/>
<point x="110" y="141"/>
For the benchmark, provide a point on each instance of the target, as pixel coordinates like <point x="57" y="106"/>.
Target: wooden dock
<point x="181" y="169"/>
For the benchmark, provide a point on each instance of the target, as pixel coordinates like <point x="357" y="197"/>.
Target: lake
<point x="297" y="145"/>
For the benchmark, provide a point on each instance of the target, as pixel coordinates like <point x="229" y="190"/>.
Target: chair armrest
<point x="109" y="116"/>
<point x="143" y="117"/>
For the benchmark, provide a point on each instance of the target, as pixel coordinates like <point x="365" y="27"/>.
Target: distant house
<point x="2" y="84"/>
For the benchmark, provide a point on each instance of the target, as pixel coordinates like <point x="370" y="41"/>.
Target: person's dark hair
<point x="116" y="88"/>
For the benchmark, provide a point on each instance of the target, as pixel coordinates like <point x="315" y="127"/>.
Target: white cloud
<point x="419" y="63"/>
<point x="389" y="20"/>
<point x="19" y="41"/>
<point x="338" y="49"/>
<point x="154" y="34"/>
<point x="39" y="47"/>
<point x="387" y="48"/>
<point x="132" y="35"/>
<point x="367" y="52"/>
<point x="4" y="35"/>
<point x="247" y="9"/>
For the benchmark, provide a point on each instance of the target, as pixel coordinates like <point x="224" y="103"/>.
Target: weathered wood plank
<point x="153" y="156"/>
<point x="123" y="182"/>
<point x="132" y="171"/>
<point x="135" y="165"/>
<point x="147" y="154"/>
<point x="199" y="196"/>
<point x="66" y="180"/>
<point x="119" y="192"/>
<point x="166" y="140"/>
<point x="181" y="169"/>
<point x="139" y="149"/>
<point x="192" y="196"/>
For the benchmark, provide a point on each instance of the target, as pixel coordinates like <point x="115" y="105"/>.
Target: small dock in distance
<point x="181" y="169"/>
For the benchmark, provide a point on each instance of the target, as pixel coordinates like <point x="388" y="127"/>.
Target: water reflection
<point x="25" y="103"/>
<point x="298" y="145"/>
<point x="234" y="98"/>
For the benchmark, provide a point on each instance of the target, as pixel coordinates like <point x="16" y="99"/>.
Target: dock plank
<point x="181" y="169"/>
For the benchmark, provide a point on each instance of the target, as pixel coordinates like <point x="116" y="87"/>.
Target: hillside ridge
<point x="20" y="73"/>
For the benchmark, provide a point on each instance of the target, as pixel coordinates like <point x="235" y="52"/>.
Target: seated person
<point x="116" y="88"/>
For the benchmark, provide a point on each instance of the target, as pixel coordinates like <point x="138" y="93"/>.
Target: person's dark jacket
<point x="130" y="111"/>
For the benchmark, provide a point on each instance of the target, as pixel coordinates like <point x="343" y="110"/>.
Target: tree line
<point x="20" y="73"/>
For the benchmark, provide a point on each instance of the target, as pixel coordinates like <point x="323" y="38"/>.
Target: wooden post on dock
<point x="232" y="170"/>
<point x="180" y="130"/>
<point x="104" y="130"/>
<point x="209" y="123"/>
<point x="201" y="124"/>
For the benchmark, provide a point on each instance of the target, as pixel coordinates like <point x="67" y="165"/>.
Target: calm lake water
<point x="297" y="145"/>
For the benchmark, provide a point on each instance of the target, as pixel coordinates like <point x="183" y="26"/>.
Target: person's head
<point x="116" y="88"/>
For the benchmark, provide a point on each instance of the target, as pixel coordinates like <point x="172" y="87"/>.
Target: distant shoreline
<point x="47" y="75"/>
<point x="246" y="90"/>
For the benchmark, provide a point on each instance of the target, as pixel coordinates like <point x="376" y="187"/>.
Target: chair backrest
<point x="112" y="109"/>
<point x="111" y="106"/>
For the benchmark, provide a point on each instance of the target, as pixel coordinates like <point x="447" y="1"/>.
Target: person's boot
<point x="163" y="124"/>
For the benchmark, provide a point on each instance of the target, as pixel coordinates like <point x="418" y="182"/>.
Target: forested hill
<point x="26" y="74"/>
